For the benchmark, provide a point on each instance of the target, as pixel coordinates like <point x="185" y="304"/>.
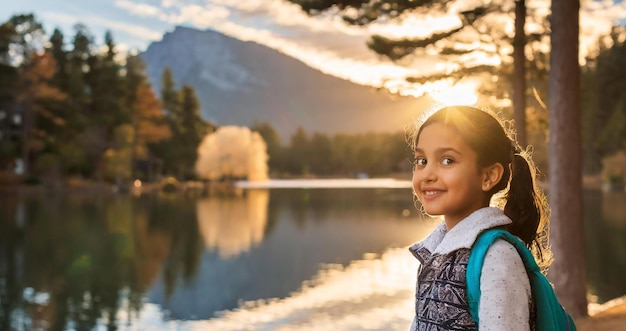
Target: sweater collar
<point x="462" y="235"/>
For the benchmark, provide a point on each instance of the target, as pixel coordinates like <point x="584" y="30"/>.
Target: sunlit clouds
<point x="327" y="43"/>
<point x="331" y="46"/>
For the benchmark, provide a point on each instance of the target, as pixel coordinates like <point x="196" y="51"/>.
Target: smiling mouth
<point x="431" y="193"/>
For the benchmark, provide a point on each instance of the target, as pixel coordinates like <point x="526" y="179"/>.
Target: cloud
<point x="330" y="45"/>
<point x="323" y="42"/>
<point x="137" y="31"/>
<point x="140" y="9"/>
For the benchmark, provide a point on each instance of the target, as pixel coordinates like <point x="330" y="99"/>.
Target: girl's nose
<point x="427" y="174"/>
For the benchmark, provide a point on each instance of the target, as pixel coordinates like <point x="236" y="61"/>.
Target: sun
<point x="458" y="94"/>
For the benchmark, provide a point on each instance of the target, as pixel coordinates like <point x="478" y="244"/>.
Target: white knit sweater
<point x="504" y="284"/>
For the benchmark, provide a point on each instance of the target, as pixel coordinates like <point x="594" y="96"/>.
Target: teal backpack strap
<point x="475" y="267"/>
<point x="550" y="313"/>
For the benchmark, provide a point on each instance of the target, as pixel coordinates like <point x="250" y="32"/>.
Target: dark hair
<point x="517" y="192"/>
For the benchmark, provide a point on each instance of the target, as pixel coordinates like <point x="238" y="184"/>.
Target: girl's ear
<point x="491" y="176"/>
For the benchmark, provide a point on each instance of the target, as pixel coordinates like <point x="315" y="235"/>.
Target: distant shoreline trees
<point x="69" y="109"/>
<point x="78" y="109"/>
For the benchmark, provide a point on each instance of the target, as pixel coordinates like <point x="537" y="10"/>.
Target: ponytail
<point x="527" y="207"/>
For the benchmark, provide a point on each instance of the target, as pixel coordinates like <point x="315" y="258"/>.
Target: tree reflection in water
<point x="231" y="226"/>
<point x="605" y="240"/>
<point x="79" y="262"/>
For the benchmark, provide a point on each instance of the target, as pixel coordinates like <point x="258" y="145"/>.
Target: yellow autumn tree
<point x="232" y="152"/>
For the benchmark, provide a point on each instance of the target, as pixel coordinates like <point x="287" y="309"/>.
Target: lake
<point x="270" y="259"/>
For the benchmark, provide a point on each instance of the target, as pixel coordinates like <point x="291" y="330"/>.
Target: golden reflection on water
<point x="232" y="226"/>
<point x="373" y="293"/>
<point x="367" y="294"/>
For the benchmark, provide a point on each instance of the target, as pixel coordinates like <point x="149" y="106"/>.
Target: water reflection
<point x="233" y="225"/>
<point x="605" y="239"/>
<point x="274" y="260"/>
<point x="75" y="263"/>
<point x="263" y="248"/>
<point x="368" y="294"/>
<point x="64" y="264"/>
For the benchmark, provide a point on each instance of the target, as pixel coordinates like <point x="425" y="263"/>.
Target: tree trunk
<point x="565" y="158"/>
<point x="519" y="73"/>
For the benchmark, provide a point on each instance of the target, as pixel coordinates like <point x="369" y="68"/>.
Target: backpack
<point x="550" y="314"/>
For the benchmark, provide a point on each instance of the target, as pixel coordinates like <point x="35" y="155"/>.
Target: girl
<point x="464" y="163"/>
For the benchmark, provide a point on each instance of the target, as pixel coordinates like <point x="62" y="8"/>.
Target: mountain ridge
<point x="243" y="83"/>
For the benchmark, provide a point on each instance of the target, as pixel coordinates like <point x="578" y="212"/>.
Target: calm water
<point x="282" y="259"/>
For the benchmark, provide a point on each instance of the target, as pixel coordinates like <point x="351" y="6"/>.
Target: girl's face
<point x="446" y="176"/>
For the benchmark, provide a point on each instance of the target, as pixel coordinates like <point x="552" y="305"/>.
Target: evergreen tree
<point x="9" y="76"/>
<point x="299" y="155"/>
<point x="603" y="81"/>
<point x="20" y="37"/>
<point x="85" y="144"/>
<point x="106" y="87"/>
<point x="321" y="148"/>
<point x="169" y="95"/>
<point x="192" y="130"/>
<point x="42" y="124"/>
<point x="146" y="116"/>
<point x="107" y="94"/>
<point x="274" y="146"/>
<point x="56" y="48"/>
<point x="181" y="110"/>
<point x="166" y="152"/>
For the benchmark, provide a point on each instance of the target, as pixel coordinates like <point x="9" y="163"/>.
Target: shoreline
<point x="610" y="315"/>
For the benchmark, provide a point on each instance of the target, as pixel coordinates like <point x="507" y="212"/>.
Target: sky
<point x="323" y="42"/>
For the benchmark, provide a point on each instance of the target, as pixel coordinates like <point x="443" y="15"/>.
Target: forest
<point x="76" y="108"/>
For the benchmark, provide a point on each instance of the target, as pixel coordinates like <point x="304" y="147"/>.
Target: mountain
<point x="240" y="83"/>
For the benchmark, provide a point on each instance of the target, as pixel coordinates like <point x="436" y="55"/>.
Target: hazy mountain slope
<point x="241" y="83"/>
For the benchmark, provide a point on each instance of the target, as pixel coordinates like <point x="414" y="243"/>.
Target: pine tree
<point x="20" y="37"/>
<point x="192" y="130"/>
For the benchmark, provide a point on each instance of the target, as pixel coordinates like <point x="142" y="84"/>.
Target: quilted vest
<point x="441" y="299"/>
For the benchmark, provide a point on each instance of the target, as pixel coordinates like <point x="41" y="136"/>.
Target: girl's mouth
<point x="431" y="193"/>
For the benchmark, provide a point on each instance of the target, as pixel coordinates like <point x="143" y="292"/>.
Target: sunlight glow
<point x="368" y="294"/>
<point x="414" y="26"/>
<point x="377" y="293"/>
<point x="459" y="94"/>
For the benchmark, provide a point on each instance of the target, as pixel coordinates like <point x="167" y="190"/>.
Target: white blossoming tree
<point x="232" y="152"/>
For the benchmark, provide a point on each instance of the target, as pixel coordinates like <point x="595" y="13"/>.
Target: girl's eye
<point x="420" y="161"/>
<point x="447" y="161"/>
